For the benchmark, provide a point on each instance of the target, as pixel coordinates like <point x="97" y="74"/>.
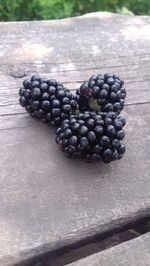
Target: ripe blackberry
<point x="104" y="93"/>
<point x="92" y="135"/>
<point x="47" y="100"/>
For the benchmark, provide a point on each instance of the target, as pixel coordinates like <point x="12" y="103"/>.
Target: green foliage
<point x="125" y="11"/>
<point x="11" y="10"/>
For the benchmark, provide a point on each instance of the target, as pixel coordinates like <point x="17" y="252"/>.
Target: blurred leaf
<point x="125" y="11"/>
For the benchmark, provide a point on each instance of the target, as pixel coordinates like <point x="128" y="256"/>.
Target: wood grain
<point x="131" y="253"/>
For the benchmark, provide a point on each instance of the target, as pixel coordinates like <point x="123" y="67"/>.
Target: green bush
<point x="11" y="10"/>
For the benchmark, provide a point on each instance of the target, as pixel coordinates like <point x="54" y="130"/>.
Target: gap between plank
<point x="47" y="254"/>
<point x="97" y="246"/>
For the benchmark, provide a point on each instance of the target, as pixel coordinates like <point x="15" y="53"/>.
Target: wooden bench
<point x="48" y="202"/>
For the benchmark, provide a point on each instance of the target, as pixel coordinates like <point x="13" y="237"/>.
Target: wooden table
<point x="48" y="202"/>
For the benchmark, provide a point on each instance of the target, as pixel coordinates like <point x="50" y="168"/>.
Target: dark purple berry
<point x="35" y="93"/>
<point x="35" y="105"/>
<point x="104" y="92"/>
<point x="111" y="131"/>
<point x="91" y="138"/>
<point x="104" y="141"/>
<point x="83" y="130"/>
<point x="55" y="103"/>
<point x="73" y="140"/>
<point x="120" y="134"/>
<point x="56" y="112"/>
<point x="84" y="141"/>
<point x="66" y="108"/>
<point x="23" y="101"/>
<point x="47" y="100"/>
<point x="44" y="87"/>
<point x="45" y="105"/>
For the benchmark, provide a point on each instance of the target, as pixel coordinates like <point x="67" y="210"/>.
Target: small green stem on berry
<point x="94" y="105"/>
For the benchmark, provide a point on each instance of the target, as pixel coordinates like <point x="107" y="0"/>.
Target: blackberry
<point x="104" y="93"/>
<point x="92" y="135"/>
<point x="47" y="100"/>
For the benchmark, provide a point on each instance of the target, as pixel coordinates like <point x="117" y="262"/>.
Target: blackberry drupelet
<point x="92" y="135"/>
<point x="47" y="100"/>
<point x="104" y="93"/>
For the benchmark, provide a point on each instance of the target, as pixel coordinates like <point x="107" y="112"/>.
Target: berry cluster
<point x="102" y="93"/>
<point x="47" y="100"/>
<point x="92" y="136"/>
<point x="88" y="124"/>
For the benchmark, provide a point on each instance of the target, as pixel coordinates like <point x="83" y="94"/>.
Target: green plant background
<point x="11" y="10"/>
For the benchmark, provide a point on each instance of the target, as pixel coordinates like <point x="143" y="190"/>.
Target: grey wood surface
<point x="135" y="252"/>
<point x="71" y="50"/>
<point x="46" y="200"/>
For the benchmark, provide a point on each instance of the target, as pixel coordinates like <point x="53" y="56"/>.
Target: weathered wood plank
<point x="87" y="36"/>
<point x="92" y="47"/>
<point x="48" y="201"/>
<point x="17" y="121"/>
<point x="131" y="253"/>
